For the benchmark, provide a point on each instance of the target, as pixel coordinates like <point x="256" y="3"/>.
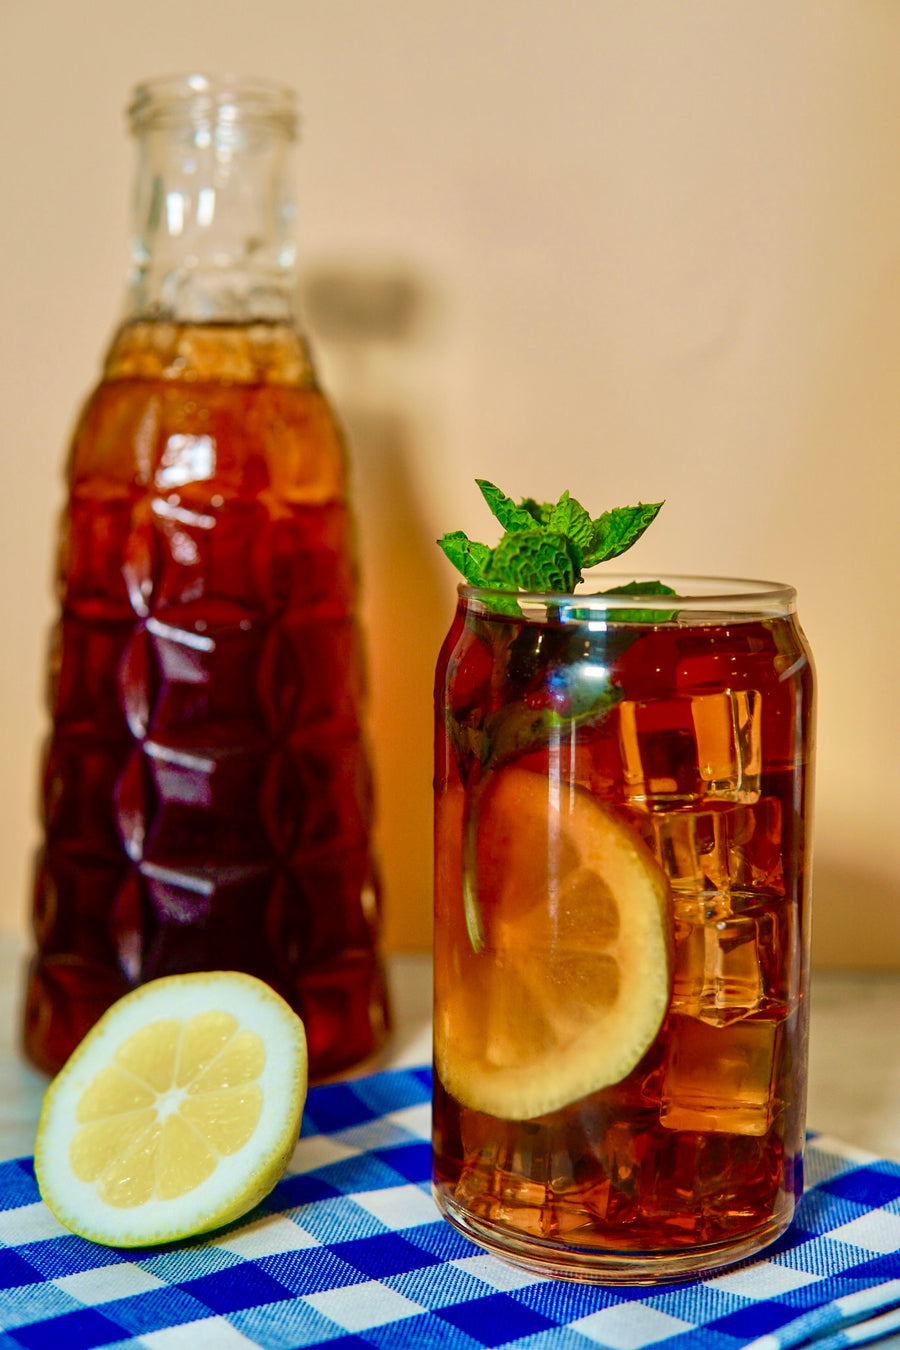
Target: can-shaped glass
<point x="623" y="792"/>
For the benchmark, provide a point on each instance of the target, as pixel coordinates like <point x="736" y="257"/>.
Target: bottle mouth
<point x="213" y="100"/>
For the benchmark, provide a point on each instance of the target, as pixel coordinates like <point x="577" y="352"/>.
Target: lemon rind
<point x="231" y="1190"/>
<point x="558" y="1080"/>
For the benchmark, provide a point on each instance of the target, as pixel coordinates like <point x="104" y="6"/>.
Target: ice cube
<point x="727" y="727"/>
<point x="719" y="1078"/>
<point x="717" y="974"/>
<point x="707" y="853"/>
<point x="680" y="751"/>
<point x="735" y="930"/>
<point x="729" y="965"/>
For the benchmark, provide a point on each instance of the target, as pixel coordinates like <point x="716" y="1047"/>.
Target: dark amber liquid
<point x="698" y="1151"/>
<point x="207" y="800"/>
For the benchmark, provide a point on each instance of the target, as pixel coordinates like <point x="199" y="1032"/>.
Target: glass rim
<point x="206" y="99"/>
<point x="694" y="595"/>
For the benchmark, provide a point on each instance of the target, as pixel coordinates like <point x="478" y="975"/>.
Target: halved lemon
<point x="553" y="936"/>
<point x="177" y="1113"/>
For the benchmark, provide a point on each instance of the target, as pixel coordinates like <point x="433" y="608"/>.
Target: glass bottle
<point x="206" y="789"/>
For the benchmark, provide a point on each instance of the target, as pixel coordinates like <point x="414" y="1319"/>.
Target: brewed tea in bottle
<point x="206" y="788"/>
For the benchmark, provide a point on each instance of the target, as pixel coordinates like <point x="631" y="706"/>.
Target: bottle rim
<point x="691" y="598"/>
<point x="212" y="100"/>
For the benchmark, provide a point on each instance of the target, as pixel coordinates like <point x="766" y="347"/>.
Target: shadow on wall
<point x="863" y="909"/>
<point x="369" y="323"/>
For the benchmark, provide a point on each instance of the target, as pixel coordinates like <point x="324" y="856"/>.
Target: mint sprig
<point x="545" y="545"/>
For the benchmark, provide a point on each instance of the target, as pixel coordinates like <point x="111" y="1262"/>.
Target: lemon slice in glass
<point x="177" y="1113"/>
<point x="560" y="982"/>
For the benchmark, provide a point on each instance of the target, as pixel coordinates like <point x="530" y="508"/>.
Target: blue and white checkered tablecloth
<point x="348" y="1251"/>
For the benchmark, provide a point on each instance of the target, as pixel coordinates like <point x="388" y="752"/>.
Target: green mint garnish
<point x="535" y="560"/>
<point x="643" y="615"/>
<point x="517" y="728"/>
<point x="545" y="545"/>
<point x="510" y="516"/>
<point x="616" y="530"/>
<point x="466" y="555"/>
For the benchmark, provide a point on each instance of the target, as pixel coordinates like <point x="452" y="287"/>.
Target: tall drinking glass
<point x="622" y="861"/>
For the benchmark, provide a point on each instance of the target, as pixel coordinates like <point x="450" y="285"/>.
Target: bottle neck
<point x="214" y="207"/>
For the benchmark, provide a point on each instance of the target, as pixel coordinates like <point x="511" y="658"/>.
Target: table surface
<point x="854" y="1074"/>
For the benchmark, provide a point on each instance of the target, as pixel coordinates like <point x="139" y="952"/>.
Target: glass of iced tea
<point x="622" y="859"/>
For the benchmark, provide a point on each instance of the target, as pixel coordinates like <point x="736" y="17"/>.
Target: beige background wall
<point x="650" y="248"/>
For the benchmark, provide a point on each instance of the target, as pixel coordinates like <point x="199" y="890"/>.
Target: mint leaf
<point x="641" y="588"/>
<point x="510" y="516"/>
<point x="567" y="516"/>
<point x="517" y="727"/>
<point x="466" y="555"/>
<point x="643" y="615"/>
<point x="616" y="530"/>
<point x="538" y="512"/>
<point x="535" y="560"/>
<point x="570" y="518"/>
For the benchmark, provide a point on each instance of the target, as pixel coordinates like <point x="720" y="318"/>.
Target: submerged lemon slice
<point x="558" y="983"/>
<point x="177" y="1113"/>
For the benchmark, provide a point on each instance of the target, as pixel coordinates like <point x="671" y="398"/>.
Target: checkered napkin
<point x="348" y="1251"/>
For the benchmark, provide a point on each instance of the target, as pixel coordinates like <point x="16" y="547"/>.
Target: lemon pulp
<point x="177" y="1113"/>
<point x="567" y="980"/>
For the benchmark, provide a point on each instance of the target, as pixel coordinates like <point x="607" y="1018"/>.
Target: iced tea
<point x="573" y="732"/>
<point x="207" y="797"/>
